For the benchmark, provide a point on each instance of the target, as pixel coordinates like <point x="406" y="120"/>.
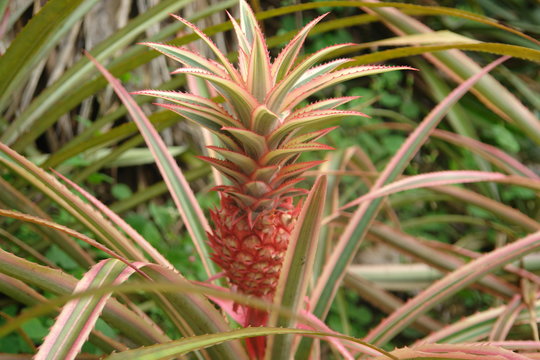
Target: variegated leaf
<point x="248" y="22"/>
<point x="318" y="71"/>
<point x="189" y="58"/>
<point x="259" y="79"/>
<point x="324" y="81"/>
<point x="243" y="102"/>
<point x="227" y="168"/>
<point x="247" y="164"/>
<point x="288" y="55"/>
<point x="182" y="98"/>
<point x="78" y="317"/>
<point x="233" y="73"/>
<point x="279" y="92"/>
<point x="275" y="156"/>
<point x="264" y="121"/>
<point x="253" y="143"/>
<point x="311" y="120"/>
<point x="327" y="104"/>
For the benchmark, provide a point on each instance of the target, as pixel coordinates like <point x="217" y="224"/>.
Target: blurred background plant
<point x="58" y="112"/>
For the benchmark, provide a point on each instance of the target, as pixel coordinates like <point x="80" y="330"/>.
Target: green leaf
<point x="35" y="329"/>
<point x="505" y="139"/>
<point x="60" y="258"/>
<point x="187" y="57"/>
<point x="121" y="191"/>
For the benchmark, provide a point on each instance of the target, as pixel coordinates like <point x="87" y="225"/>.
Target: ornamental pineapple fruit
<point x="263" y="132"/>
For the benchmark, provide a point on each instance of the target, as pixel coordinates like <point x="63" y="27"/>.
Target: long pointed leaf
<point x="430" y="179"/>
<point x="130" y="324"/>
<point x="78" y="317"/>
<point x="288" y="55"/>
<point x="450" y="284"/>
<point x="297" y="267"/>
<point x="356" y="229"/>
<point x="459" y="66"/>
<point x="178" y="186"/>
<point x="183" y="346"/>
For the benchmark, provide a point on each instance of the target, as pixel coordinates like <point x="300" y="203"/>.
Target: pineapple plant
<point x="263" y="131"/>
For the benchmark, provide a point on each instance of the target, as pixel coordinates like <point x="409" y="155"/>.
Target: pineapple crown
<point x="262" y="130"/>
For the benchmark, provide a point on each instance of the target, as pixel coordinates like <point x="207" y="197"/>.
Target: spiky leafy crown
<point x="262" y="131"/>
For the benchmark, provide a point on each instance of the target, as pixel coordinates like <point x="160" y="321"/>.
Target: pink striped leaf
<point x="326" y="104"/>
<point x="282" y="88"/>
<point x="297" y="267"/>
<point x="442" y="260"/>
<point x="259" y="80"/>
<point x="361" y="220"/>
<point x="278" y="155"/>
<point x="182" y="98"/>
<point x="78" y="317"/>
<point x="208" y="118"/>
<point x="449" y="285"/>
<point x="35" y="220"/>
<point x="187" y="345"/>
<point x="300" y="93"/>
<point x="243" y="44"/>
<point x="150" y="250"/>
<point x="244" y="162"/>
<point x="233" y="73"/>
<point x="507" y="319"/>
<point x="253" y="143"/>
<point x="475" y="327"/>
<point x="319" y="70"/>
<point x="227" y="168"/>
<point x="286" y="58"/>
<point x="248" y="22"/>
<point x="491" y="153"/>
<point x="429" y="180"/>
<point x="244" y="103"/>
<point x="188" y="57"/>
<point x="181" y="193"/>
<point x="14" y="199"/>
<point x="131" y="325"/>
<point x="83" y="212"/>
<point x="313" y="120"/>
<point x="311" y="136"/>
<point x="458" y="352"/>
<point x="263" y="121"/>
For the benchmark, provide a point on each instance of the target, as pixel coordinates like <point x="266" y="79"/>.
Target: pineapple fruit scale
<point x="263" y="131"/>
